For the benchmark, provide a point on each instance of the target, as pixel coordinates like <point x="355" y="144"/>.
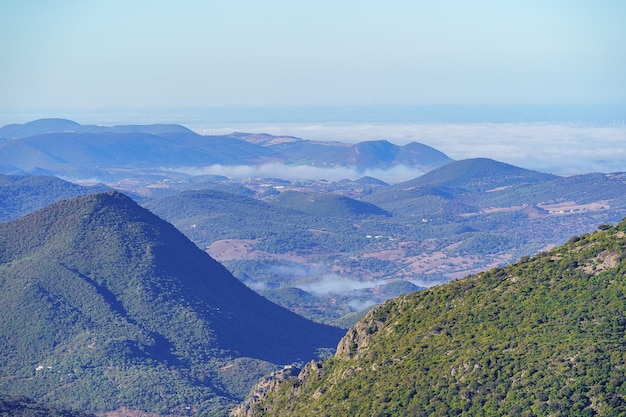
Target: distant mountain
<point x="327" y="204"/>
<point x="443" y="190"/>
<point x="80" y="154"/>
<point x="208" y="215"/>
<point x="584" y="189"/>
<point x="370" y="181"/>
<point x="380" y="154"/>
<point x="38" y="127"/>
<point x="544" y="337"/>
<point x="478" y="175"/>
<point x="104" y="305"/>
<point x="70" y="150"/>
<point x="23" y="194"/>
<point x="43" y="126"/>
<point x="478" y="185"/>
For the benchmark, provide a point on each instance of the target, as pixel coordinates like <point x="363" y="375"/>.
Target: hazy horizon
<point x="537" y="84"/>
<point x="572" y="141"/>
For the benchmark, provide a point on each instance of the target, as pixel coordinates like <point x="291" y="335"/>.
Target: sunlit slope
<point x="545" y="336"/>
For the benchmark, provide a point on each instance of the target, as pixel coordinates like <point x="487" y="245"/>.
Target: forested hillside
<point x="545" y="336"/>
<point x="104" y="305"/>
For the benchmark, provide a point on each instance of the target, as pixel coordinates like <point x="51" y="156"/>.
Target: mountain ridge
<point x="59" y="147"/>
<point x="113" y="293"/>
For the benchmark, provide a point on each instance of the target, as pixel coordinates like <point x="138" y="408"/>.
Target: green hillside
<point x="25" y="407"/>
<point x="327" y="204"/>
<point x="478" y="174"/>
<point x="545" y="336"/>
<point x="23" y="194"/>
<point x="104" y="305"/>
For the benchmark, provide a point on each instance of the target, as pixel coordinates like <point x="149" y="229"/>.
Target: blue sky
<point x="86" y="54"/>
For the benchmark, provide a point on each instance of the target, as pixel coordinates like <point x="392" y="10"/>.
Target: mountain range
<point x="543" y="337"/>
<point x="280" y="233"/>
<point x="105" y="305"/>
<point x="459" y="219"/>
<point x="67" y="149"/>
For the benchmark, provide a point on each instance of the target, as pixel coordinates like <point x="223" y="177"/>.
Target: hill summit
<point x="545" y="336"/>
<point x="105" y="305"/>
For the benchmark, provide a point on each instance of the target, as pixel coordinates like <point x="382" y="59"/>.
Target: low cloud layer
<point x="335" y="284"/>
<point x="302" y="172"/>
<point x="558" y="148"/>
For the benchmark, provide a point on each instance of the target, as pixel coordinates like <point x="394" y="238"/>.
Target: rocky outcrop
<point x="355" y="342"/>
<point x="252" y="405"/>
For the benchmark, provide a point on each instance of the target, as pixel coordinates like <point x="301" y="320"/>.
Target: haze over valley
<point x="327" y="248"/>
<point x="325" y="208"/>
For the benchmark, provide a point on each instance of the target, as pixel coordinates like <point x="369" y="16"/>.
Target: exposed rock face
<point x="252" y="406"/>
<point x="354" y="343"/>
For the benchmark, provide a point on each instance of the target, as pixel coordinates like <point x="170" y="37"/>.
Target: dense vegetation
<point x="25" y="407"/>
<point x="23" y="194"/>
<point x="545" y="336"/>
<point x="327" y="204"/>
<point x="103" y="305"/>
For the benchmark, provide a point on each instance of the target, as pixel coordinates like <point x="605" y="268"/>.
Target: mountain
<point x="479" y="186"/>
<point x="327" y="204"/>
<point x="104" y="305"/>
<point x="43" y="126"/>
<point x="453" y="188"/>
<point x="479" y="174"/>
<point x="38" y="127"/>
<point x="80" y="154"/>
<point x="471" y="176"/>
<point x="377" y="154"/>
<point x="383" y="154"/>
<point x="544" y="337"/>
<point x="70" y="150"/>
<point x="208" y="215"/>
<point x="23" y="194"/>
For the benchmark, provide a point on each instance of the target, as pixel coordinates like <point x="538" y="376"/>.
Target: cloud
<point x="301" y="172"/>
<point x="358" y="305"/>
<point x="559" y="148"/>
<point x="258" y="286"/>
<point x="429" y="283"/>
<point x="335" y="284"/>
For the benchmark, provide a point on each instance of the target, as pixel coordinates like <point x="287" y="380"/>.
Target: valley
<point x="277" y="233"/>
<point x="543" y="336"/>
<point x="120" y="263"/>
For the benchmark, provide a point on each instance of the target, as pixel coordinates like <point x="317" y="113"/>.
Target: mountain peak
<point x="99" y="284"/>
<point x="39" y="126"/>
<point x="479" y="174"/>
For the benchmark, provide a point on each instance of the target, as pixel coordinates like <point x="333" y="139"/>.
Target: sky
<point x="537" y="83"/>
<point x="156" y="54"/>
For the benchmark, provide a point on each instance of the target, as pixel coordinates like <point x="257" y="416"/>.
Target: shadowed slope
<point x="104" y="291"/>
